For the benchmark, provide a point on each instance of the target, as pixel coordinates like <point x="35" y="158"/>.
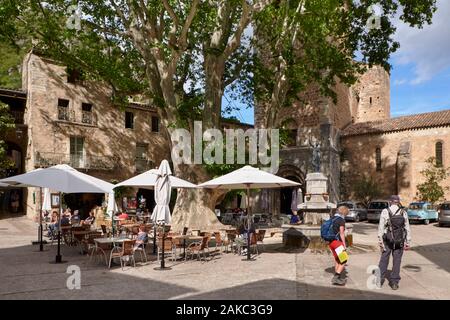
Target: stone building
<point x="358" y="137"/>
<point x="394" y="152"/>
<point x="64" y="119"/>
<point x="61" y="118"/>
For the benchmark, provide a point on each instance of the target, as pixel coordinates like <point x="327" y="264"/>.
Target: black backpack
<point x="396" y="234"/>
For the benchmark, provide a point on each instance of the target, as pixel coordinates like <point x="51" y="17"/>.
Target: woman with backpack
<point x="394" y="236"/>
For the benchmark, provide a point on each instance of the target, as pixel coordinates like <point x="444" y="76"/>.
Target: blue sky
<point x="420" y="75"/>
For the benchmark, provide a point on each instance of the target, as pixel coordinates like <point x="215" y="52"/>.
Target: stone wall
<point x="372" y="94"/>
<point x="403" y="156"/>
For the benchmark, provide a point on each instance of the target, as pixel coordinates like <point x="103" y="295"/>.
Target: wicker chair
<point x="168" y="248"/>
<point x="198" y="248"/>
<point x="221" y="242"/>
<point x="141" y="249"/>
<point x="127" y="250"/>
<point x="260" y="237"/>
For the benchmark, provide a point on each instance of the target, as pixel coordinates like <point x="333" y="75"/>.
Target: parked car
<point x="444" y="214"/>
<point x="422" y="211"/>
<point x="374" y="209"/>
<point x="358" y="210"/>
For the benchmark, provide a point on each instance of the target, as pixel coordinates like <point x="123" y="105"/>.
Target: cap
<point x="395" y="198"/>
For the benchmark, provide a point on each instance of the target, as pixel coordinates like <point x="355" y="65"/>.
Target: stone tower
<point x="372" y="96"/>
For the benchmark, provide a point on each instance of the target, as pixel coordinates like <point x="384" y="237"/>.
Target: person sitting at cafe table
<point x="75" y="219"/>
<point x="65" y="220"/>
<point x="67" y="213"/>
<point x="295" y="219"/>
<point x="53" y="226"/>
<point x="142" y="237"/>
<point x="90" y="220"/>
<point x="123" y="216"/>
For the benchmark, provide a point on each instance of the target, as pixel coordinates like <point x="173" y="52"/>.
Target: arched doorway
<point x="286" y="197"/>
<point x="293" y="173"/>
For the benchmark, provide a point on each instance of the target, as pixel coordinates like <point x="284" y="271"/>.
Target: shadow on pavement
<point x="437" y="253"/>
<point x="264" y="290"/>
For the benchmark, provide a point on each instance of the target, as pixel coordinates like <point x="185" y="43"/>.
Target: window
<point x="439" y="159"/>
<point x="155" y="124"/>
<point x="370" y="100"/>
<point x="378" y="158"/>
<point x="141" y="160"/>
<point x="416" y="206"/>
<point x="378" y="205"/>
<point x="360" y="205"/>
<point x="288" y="133"/>
<point x="63" y="110"/>
<point x="74" y="75"/>
<point x="77" y="152"/>
<point x="345" y="155"/>
<point x="86" y="113"/>
<point x="129" y="120"/>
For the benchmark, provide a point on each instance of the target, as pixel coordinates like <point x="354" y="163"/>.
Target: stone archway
<point x="283" y="196"/>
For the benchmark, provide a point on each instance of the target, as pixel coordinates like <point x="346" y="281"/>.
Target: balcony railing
<point x="67" y="115"/>
<point x="64" y="114"/>
<point x="48" y="159"/>
<point x="87" y="117"/>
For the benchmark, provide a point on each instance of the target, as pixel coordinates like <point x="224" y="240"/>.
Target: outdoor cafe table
<point x="184" y="238"/>
<point x="111" y="240"/>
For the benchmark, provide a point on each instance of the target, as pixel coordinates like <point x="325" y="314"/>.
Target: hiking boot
<point x="338" y="281"/>
<point x="343" y="275"/>
<point x="393" y="285"/>
<point x="335" y="277"/>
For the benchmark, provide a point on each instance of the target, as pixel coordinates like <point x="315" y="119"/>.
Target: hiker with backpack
<point x="333" y="231"/>
<point x="394" y="236"/>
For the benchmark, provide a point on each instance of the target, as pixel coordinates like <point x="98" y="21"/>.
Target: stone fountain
<point x="316" y="208"/>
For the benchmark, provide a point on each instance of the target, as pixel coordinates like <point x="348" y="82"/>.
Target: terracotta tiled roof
<point x="417" y="121"/>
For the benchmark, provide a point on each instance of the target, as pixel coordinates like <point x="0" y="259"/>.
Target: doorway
<point x="286" y="196"/>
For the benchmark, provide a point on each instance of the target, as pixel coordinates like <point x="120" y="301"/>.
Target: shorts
<point x="333" y="245"/>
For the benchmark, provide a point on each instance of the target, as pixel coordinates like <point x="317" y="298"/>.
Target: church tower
<point x="372" y="96"/>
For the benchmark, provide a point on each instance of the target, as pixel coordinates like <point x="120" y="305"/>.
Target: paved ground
<point x="277" y="273"/>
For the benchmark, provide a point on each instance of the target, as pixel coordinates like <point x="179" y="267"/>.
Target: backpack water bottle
<point x="326" y="230"/>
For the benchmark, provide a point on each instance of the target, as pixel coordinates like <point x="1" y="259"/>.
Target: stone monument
<point x="316" y="208"/>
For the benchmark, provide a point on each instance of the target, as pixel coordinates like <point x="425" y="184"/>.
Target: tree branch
<point x="235" y="41"/>
<point x="182" y="42"/>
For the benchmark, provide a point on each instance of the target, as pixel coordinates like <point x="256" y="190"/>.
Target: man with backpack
<point x="333" y="231"/>
<point x="394" y="236"/>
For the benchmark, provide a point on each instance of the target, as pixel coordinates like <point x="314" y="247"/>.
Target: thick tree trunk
<point x="214" y="68"/>
<point x="194" y="208"/>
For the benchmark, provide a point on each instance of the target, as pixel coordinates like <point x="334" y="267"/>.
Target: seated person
<point x="295" y="219"/>
<point x="53" y="226"/>
<point x="142" y="237"/>
<point x="123" y="216"/>
<point x="139" y="214"/>
<point x="90" y="220"/>
<point x="65" y="220"/>
<point x="68" y="213"/>
<point x="75" y="219"/>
